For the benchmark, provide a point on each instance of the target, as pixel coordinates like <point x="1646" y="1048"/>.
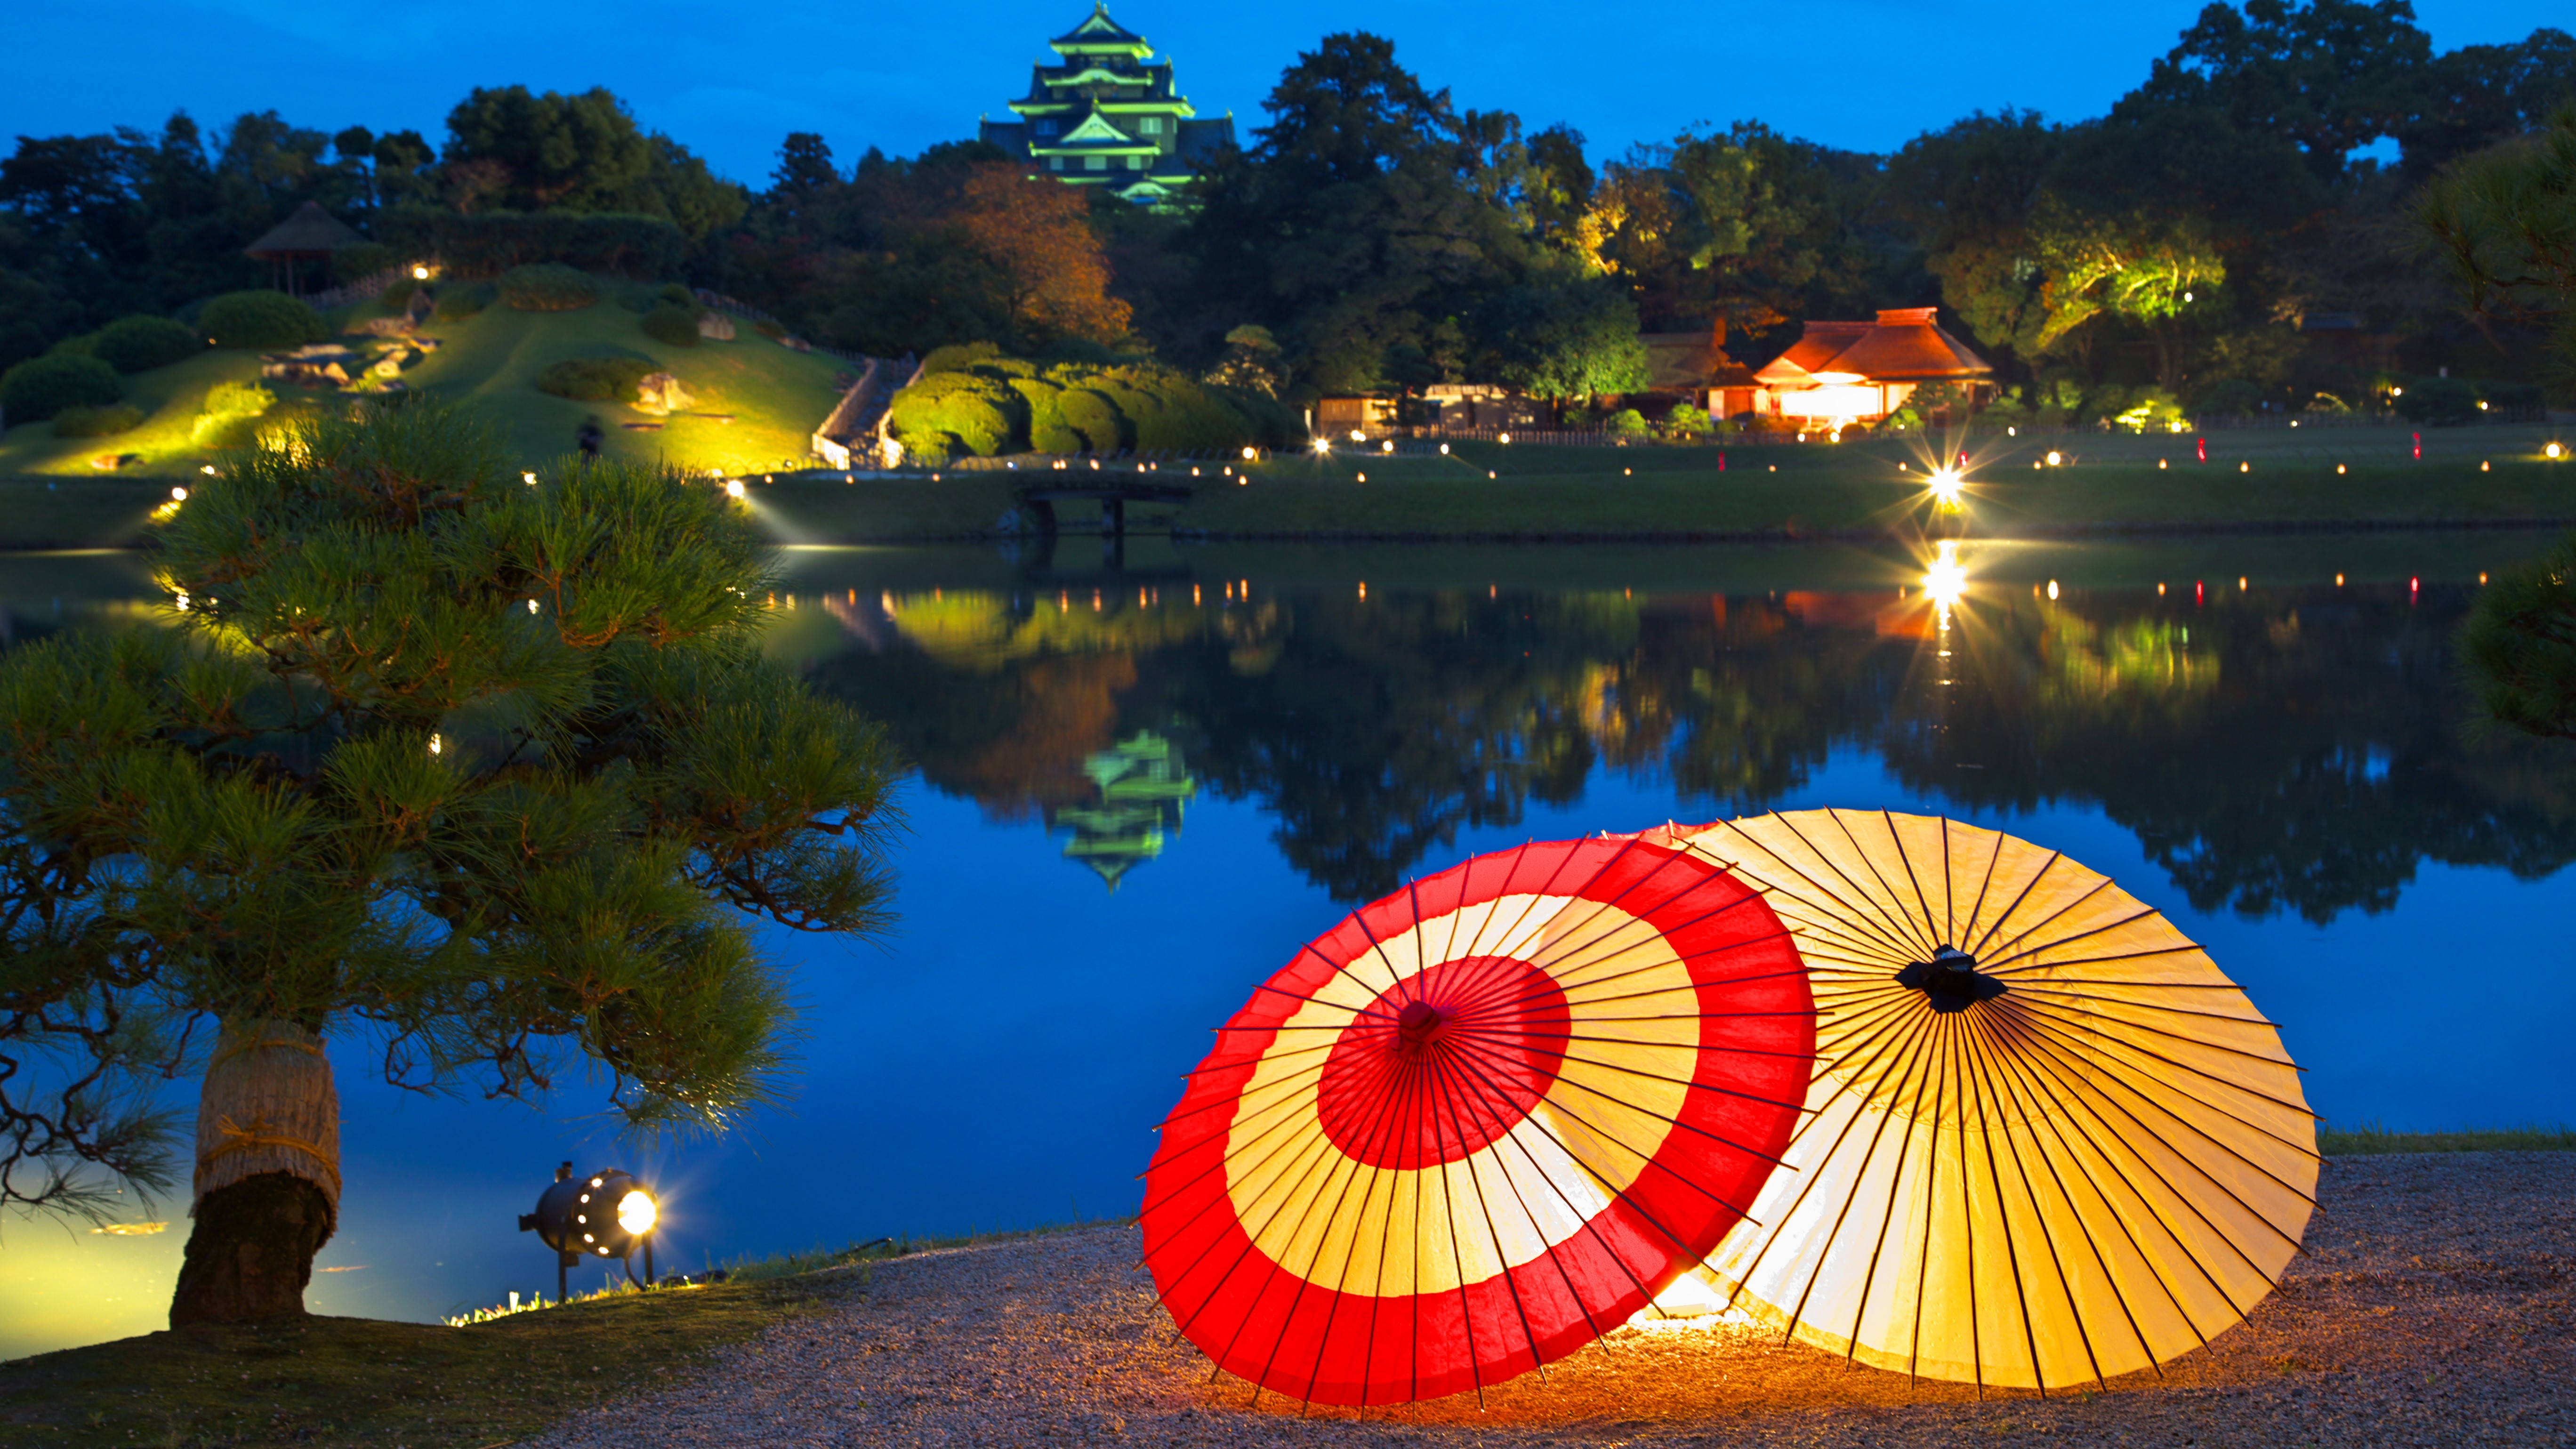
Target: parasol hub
<point x="1414" y="1026"/>
<point x="1950" y="980"/>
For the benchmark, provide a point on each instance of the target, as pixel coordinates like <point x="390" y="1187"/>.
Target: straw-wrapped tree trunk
<point x="487" y="775"/>
<point x="268" y="1174"/>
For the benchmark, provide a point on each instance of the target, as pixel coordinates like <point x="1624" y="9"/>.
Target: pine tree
<point x="486" y="771"/>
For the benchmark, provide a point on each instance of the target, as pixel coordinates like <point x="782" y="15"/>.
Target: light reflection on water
<point x="1131" y="808"/>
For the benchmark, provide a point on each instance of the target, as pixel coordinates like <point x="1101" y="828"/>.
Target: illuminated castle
<point x="1106" y="115"/>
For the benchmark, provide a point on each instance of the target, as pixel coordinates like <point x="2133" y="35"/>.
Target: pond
<point x="1139" y="788"/>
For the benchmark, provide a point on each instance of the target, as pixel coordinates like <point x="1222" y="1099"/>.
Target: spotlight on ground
<point x="605" y="1215"/>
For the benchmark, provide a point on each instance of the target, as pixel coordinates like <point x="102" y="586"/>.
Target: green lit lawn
<point x="2107" y="484"/>
<point x="170" y="397"/>
<point x="775" y="396"/>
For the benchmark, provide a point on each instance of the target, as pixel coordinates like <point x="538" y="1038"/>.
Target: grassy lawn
<point x="2102" y="485"/>
<point x="773" y="396"/>
<point x="2370" y="1139"/>
<point x="757" y="403"/>
<point x="170" y="397"/>
<point x="364" y="1381"/>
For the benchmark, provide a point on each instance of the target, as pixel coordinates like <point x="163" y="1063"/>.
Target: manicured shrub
<point x="138" y="344"/>
<point x="40" y="387"/>
<point x="97" y="422"/>
<point x="1687" y="421"/>
<point x="548" y="287"/>
<point x="456" y="303"/>
<point x="260" y="320"/>
<point x="237" y="400"/>
<point x="1627" y="423"/>
<point x="677" y="326"/>
<point x="597" y="379"/>
<point x="958" y="411"/>
<point x="237" y="431"/>
<point x="2439" y="401"/>
<point x="956" y="357"/>
<point x="1048" y="430"/>
<point x="229" y="417"/>
<point x="1093" y="418"/>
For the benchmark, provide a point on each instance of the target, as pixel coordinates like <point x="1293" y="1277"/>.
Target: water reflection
<point x="2298" y="748"/>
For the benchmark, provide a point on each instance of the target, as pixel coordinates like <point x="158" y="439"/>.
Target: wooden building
<point x="1846" y="372"/>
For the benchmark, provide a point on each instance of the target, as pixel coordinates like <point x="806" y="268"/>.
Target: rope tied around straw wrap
<point x="269" y="1105"/>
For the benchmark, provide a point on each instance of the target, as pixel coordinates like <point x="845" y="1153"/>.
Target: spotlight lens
<point x="733" y="488"/>
<point x="636" y="1214"/>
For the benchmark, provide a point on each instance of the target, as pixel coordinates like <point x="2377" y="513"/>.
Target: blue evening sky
<point x="729" y="81"/>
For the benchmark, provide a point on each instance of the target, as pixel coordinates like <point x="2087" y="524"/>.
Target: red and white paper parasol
<point x="1480" y="1123"/>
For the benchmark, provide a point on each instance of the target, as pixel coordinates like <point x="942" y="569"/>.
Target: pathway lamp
<point x="2553" y="451"/>
<point x="605" y="1215"/>
<point x="1323" y="445"/>
<point x="1944" y="487"/>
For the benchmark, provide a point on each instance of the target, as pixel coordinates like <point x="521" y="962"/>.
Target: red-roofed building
<point x="1843" y="372"/>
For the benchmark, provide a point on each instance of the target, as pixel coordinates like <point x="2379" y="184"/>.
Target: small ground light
<point x="2052" y="591"/>
<point x="2484" y="466"/>
<point x="2482" y="578"/>
<point x="2055" y="458"/>
<point x="1444" y="450"/>
<point x="2338" y="467"/>
<point x="1506" y="439"/>
<point x="178" y="495"/>
<point x="1388" y="446"/>
<point x="208" y="470"/>
<point x="2245" y="467"/>
<point x="2553" y="451"/>
<point x="2160" y="463"/>
<point x="528" y="478"/>
<point x="1323" y="445"/>
<point x="605" y="1215"/>
<point x="733" y="488"/>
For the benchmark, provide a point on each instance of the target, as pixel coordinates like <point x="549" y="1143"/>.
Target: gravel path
<point x="2436" y="1306"/>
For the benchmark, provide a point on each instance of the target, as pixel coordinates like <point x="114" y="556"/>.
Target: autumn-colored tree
<point x="1038" y="238"/>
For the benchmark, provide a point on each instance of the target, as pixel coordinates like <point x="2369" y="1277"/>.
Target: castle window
<point x="1153" y="126"/>
<point x="1055" y="163"/>
<point x="1095" y="163"/>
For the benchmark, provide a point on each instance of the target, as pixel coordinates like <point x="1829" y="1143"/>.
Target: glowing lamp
<point x="2553" y="451"/>
<point x="1444" y="450"/>
<point x="419" y="273"/>
<point x="1323" y="445"/>
<point x="605" y="1215"/>
<point x="1248" y="455"/>
<point x="1945" y="578"/>
<point x="2055" y="458"/>
<point x="1506" y="440"/>
<point x="1387" y="446"/>
<point x="1944" y="487"/>
<point x="208" y="470"/>
<point x="178" y="495"/>
<point x="733" y="488"/>
<point x="528" y="478"/>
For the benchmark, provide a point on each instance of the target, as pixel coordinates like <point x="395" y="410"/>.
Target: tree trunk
<point x="268" y="1175"/>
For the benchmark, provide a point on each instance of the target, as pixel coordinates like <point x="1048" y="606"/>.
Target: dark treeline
<point x="2247" y="227"/>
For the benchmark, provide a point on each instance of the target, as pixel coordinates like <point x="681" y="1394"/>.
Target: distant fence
<point x="365" y="289"/>
<point x="749" y="313"/>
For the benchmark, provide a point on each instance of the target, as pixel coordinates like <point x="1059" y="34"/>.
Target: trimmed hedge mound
<point x="971" y="399"/>
<point x="41" y="387"/>
<point x="548" y="287"/>
<point x="597" y="379"/>
<point x="259" y="320"/>
<point x="139" y="344"/>
<point x="674" y="324"/>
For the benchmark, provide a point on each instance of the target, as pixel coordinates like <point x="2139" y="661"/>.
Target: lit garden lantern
<point x="605" y="1215"/>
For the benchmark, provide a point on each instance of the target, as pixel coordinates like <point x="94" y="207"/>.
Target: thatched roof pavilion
<point x="311" y="232"/>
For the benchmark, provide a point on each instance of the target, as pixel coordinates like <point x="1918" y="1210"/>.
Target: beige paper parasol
<point x="2047" y="1141"/>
